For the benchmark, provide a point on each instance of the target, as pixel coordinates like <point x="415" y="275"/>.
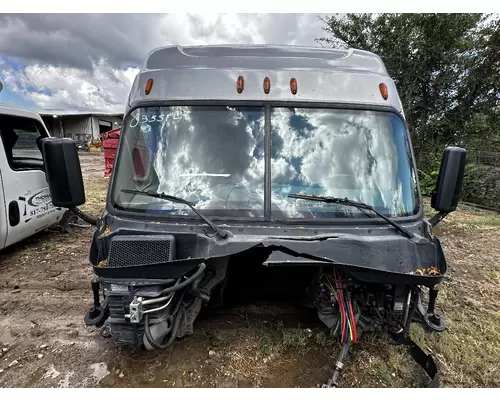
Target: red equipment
<point x="109" y="143"/>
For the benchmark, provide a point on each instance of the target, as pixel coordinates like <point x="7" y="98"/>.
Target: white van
<point x="25" y="203"/>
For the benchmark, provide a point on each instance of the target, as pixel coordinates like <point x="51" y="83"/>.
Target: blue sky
<point x="6" y="96"/>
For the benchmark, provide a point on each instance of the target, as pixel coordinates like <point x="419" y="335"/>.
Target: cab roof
<point x="211" y="72"/>
<point x="262" y="57"/>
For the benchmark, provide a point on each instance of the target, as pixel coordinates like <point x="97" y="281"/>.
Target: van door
<point x="3" y="215"/>
<point x="27" y="201"/>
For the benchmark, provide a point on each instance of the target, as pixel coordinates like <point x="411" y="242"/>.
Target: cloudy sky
<point x="89" y="60"/>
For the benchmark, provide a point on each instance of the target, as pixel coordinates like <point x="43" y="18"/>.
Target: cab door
<point x="28" y="205"/>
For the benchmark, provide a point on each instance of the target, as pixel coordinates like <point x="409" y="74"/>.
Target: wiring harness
<point x="347" y="321"/>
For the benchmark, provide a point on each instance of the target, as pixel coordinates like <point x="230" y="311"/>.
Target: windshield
<point x="215" y="157"/>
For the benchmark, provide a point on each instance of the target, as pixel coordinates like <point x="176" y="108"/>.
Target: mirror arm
<point x="87" y="218"/>
<point x="437" y="218"/>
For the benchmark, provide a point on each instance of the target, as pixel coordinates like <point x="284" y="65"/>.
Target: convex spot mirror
<point x="448" y="190"/>
<point x="63" y="172"/>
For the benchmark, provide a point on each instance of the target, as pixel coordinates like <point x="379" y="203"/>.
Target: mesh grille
<point x="127" y="251"/>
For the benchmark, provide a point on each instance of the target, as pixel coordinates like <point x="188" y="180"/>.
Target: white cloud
<point x="77" y="60"/>
<point x="103" y="87"/>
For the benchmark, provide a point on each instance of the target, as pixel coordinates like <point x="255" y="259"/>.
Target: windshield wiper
<point x="174" y="199"/>
<point x="353" y="203"/>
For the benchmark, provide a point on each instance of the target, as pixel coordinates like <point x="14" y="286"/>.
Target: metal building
<point x="81" y="126"/>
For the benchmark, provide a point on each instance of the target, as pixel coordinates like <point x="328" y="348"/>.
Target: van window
<point x="21" y="142"/>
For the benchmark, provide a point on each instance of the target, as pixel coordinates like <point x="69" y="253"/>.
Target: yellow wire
<point x="350" y="329"/>
<point x="330" y="286"/>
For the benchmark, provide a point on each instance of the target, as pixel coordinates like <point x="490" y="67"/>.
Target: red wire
<point x="334" y="280"/>
<point x="341" y="303"/>
<point x="342" y="307"/>
<point x="341" y="319"/>
<point x="343" y="315"/>
<point x="353" y="322"/>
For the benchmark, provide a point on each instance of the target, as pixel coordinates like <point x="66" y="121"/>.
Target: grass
<point x="216" y="340"/>
<point x="95" y="194"/>
<point x="468" y="351"/>
<point x="276" y="339"/>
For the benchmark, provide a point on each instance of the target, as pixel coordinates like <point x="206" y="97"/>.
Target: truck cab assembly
<point x="263" y="158"/>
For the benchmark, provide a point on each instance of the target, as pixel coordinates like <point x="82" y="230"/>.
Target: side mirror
<point x="63" y="171"/>
<point x="448" y="190"/>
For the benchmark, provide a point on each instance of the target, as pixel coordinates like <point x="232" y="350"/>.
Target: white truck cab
<point x="25" y="203"/>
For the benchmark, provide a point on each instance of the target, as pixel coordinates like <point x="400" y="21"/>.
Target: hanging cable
<point x="346" y="321"/>
<point x="355" y="333"/>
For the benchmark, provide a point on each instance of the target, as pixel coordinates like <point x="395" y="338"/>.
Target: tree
<point x="446" y="67"/>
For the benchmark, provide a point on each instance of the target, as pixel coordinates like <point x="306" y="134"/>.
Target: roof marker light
<point x="148" y="86"/>
<point x="384" y="91"/>
<point x="240" y="84"/>
<point x="267" y="85"/>
<point x="293" y="85"/>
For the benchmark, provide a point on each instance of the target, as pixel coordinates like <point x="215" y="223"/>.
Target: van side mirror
<point x="446" y="194"/>
<point x="63" y="172"/>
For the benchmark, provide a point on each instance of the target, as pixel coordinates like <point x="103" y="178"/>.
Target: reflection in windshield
<point x="215" y="158"/>
<point x="361" y="155"/>
<point x="211" y="156"/>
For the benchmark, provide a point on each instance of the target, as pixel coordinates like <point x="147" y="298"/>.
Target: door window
<point x="21" y="138"/>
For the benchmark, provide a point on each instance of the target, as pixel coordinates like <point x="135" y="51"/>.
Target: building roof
<point x="74" y="113"/>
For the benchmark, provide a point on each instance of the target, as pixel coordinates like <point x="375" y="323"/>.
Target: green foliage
<point x="447" y="69"/>
<point x="428" y="181"/>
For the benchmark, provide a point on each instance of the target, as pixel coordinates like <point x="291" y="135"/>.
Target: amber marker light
<point x="240" y="84"/>
<point x="293" y="85"/>
<point x="384" y="91"/>
<point x="267" y="85"/>
<point x="148" y="86"/>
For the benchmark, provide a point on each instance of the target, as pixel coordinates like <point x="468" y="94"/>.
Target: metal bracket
<point x="437" y="218"/>
<point x="429" y="317"/>
<point x="136" y="311"/>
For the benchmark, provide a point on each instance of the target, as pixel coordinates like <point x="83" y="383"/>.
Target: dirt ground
<point x="45" y="291"/>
